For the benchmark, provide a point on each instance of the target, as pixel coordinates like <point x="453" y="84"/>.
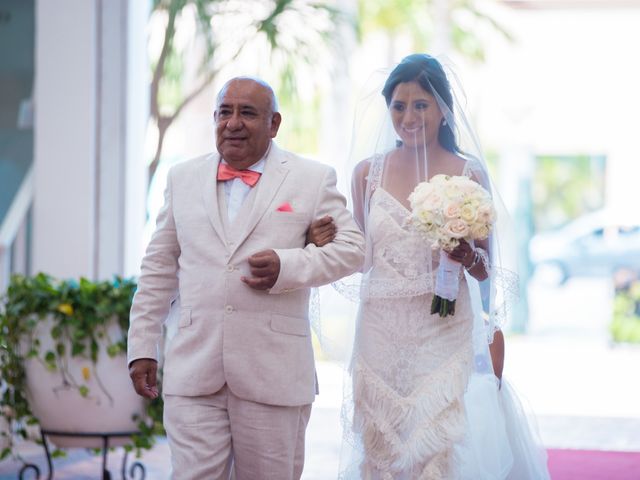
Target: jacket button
<point x="228" y="309"/>
<point x="230" y="268"/>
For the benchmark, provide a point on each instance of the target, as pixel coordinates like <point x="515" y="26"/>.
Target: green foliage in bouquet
<point x="81" y="313"/>
<point x="625" y="326"/>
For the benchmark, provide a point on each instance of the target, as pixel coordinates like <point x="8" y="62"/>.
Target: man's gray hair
<point x="259" y="81"/>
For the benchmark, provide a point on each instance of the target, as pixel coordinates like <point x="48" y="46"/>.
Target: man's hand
<point x="143" y="373"/>
<point x="322" y="231"/>
<point x="265" y="268"/>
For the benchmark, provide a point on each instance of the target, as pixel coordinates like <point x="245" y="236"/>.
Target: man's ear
<point x="276" y="118"/>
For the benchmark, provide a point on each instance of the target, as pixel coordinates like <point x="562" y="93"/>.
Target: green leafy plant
<point x="80" y="314"/>
<point x="454" y="23"/>
<point x="625" y="325"/>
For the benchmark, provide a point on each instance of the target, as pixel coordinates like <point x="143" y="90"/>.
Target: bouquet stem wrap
<point x="448" y="277"/>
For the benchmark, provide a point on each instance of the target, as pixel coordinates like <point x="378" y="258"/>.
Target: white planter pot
<point x="108" y="407"/>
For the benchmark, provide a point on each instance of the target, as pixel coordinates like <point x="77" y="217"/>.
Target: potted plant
<point x="63" y="364"/>
<point x="625" y="323"/>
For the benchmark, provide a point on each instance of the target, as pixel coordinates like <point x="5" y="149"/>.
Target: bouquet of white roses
<point x="445" y="210"/>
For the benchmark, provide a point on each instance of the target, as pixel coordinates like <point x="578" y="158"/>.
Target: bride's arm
<point x="359" y="192"/>
<point x="496" y="348"/>
<point x="479" y="267"/>
<point x="477" y="261"/>
<point x="323" y="230"/>
<point x="474" y="259"/>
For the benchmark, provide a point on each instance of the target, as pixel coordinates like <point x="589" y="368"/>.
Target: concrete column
<point x="89" y="130"/>
<point x="65" y="138"/>
<point x="123" y="111"/>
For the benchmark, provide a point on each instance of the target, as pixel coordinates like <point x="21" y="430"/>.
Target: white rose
<point x="452" y="210"/>
<point x="472" y="190"/>
<point x="439" y="179"/>
<point x="420" y="192"/>
<point x="468" y="213"/>
<point x="486" y="213"/>
<point x="480" y="232"/>
<point x="429" y="217"/>
<point x="456" y="229"/>
<point x="461" y="181"/>
<point x="433" y="201"/>
<point x="452" y="191"/>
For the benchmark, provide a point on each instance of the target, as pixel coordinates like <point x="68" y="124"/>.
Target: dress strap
<point x="375" y="172"/>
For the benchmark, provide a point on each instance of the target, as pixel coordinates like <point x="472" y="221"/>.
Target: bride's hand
<point x="322" y="231"/>
<point x="463" y="253"/>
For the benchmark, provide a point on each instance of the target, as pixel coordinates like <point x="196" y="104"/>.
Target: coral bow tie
<point x="225" y="172"/>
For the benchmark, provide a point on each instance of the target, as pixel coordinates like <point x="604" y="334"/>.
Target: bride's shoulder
<point x="473" y="168"/>
<point x="456" y="162"/>
<point x="362" y="168"/>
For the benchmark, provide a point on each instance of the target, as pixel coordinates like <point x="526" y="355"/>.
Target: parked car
<point x="595" y="244"/>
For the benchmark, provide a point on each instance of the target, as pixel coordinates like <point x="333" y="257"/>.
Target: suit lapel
<point x="210" y="195"/>
<point x="275" y="171"/>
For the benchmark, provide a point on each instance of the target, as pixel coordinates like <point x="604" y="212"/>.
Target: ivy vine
<point x="81" y="313"/>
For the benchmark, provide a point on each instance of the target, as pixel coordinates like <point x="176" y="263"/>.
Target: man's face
<point x="245" y="123"/>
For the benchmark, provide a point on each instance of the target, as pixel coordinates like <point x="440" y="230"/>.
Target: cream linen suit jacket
<point x="257" y="342"/>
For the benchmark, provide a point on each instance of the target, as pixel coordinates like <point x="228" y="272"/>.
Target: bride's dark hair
<point x="428" y="72"/>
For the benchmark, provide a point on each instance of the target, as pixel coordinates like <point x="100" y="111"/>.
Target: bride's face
<point x="415" y="114"/>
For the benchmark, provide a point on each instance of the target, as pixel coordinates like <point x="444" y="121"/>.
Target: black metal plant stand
<point x="135" y="468"/>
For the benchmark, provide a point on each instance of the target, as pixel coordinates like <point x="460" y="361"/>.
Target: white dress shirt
<point x="236" y="190"/>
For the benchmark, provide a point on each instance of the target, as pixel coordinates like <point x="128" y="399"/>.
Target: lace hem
<point x="396" y="288"/>
<point x="357" y="290"/>
<point x="401" y="433"/>
<point x="507" y="284"/>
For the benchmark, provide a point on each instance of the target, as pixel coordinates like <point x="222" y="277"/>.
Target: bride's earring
<point x="444" y="122"/>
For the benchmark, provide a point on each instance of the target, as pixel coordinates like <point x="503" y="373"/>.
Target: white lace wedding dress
<point x="406" y="418"/>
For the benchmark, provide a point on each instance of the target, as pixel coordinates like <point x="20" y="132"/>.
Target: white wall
<point x="567" y="85"/>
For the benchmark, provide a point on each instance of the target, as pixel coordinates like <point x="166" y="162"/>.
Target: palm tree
<point x="439" y="25"/>
<point x="289" y="31"/>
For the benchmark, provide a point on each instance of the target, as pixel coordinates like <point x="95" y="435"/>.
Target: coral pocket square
<point x="285" y="207"/>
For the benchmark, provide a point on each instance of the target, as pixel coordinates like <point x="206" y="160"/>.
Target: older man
<point x="239" y="375"/>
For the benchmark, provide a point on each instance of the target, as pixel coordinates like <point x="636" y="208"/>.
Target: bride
<point x="423" y="401"/>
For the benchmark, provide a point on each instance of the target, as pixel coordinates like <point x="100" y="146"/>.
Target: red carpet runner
<point x="593" y="465"/>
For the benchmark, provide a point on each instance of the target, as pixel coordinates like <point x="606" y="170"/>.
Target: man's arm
<point x="313" y="266"/>
<point x="157" y="287"/>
